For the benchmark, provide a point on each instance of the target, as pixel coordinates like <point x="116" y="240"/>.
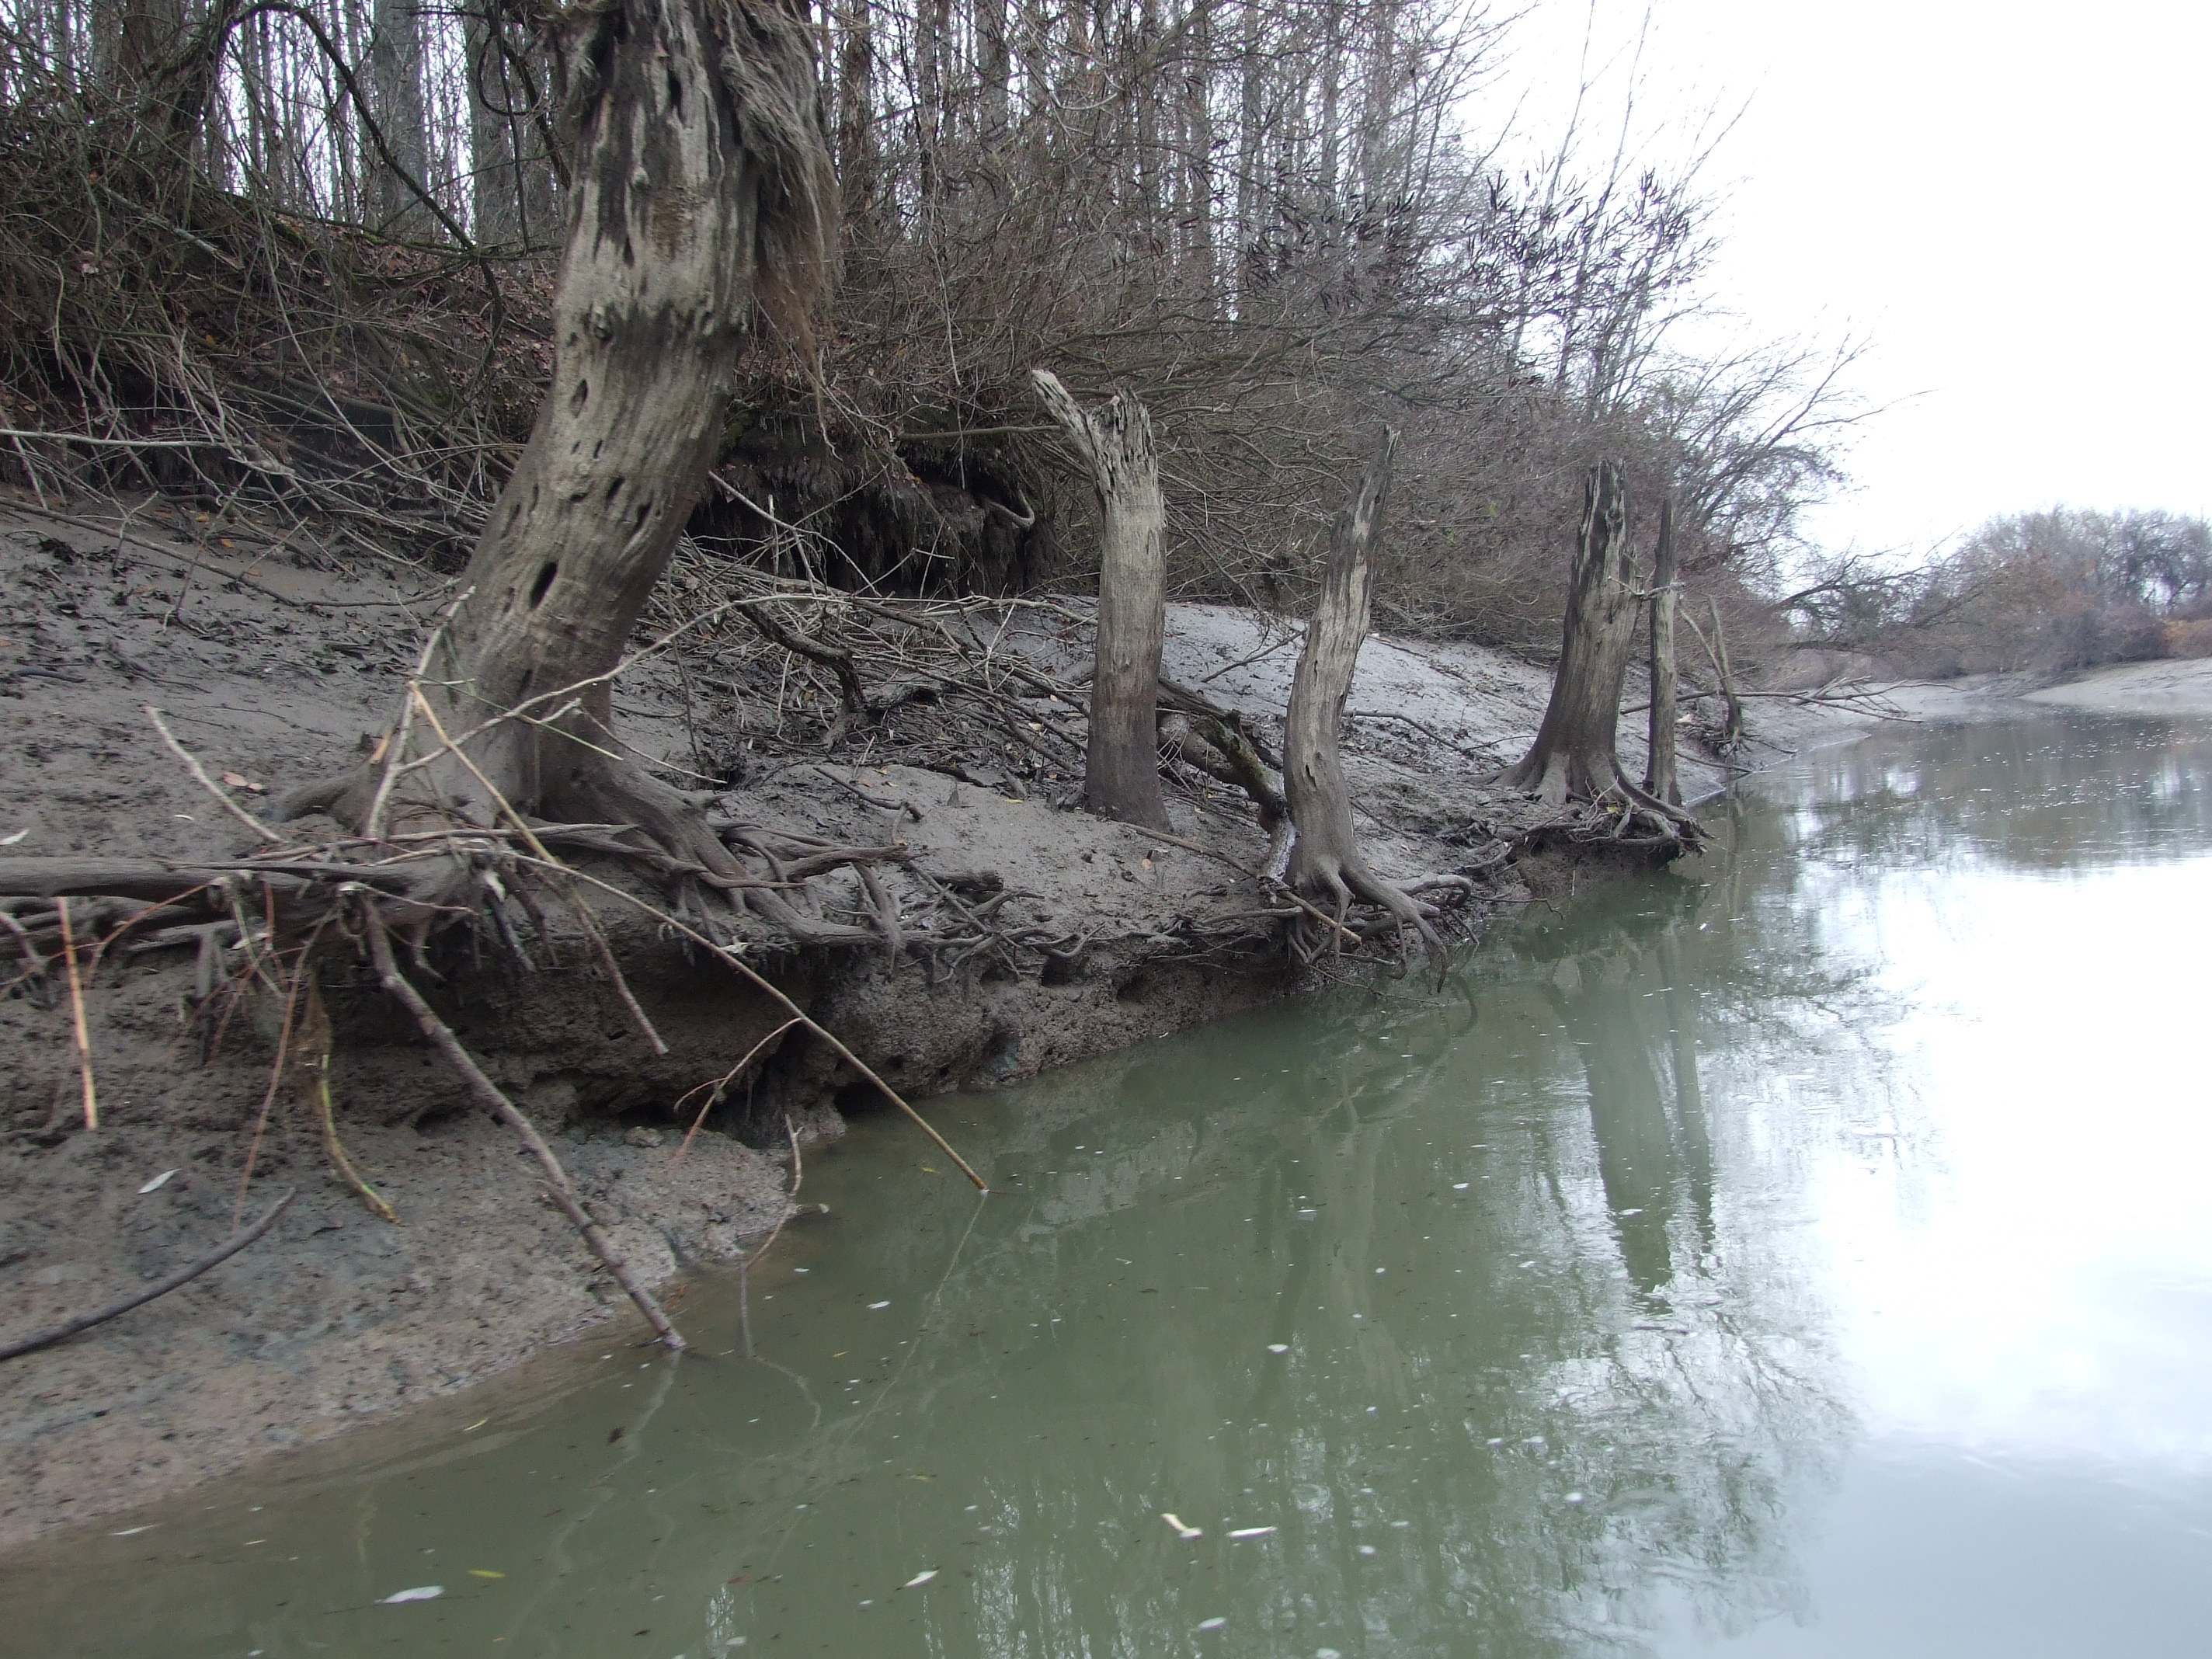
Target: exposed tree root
<point x="1346" y="877"/>
<point x="1603" y="803"/>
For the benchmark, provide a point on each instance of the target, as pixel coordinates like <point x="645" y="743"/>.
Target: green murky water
<point x="1805" y="1254"/>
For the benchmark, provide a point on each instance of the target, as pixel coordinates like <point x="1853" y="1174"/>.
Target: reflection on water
<point x="1795" y="1254"/>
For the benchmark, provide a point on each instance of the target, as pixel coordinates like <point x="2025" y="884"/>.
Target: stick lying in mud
<point x="556" y="1178"/>
<point x="82" y="1036"/>
<point x="229" y="1248"/>
<point x="269" y="836"/>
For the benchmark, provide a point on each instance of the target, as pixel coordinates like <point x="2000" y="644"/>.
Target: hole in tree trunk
<point x="582" y="396"/>
<point x="675" y="92"/>
<point x="544" y="582"/>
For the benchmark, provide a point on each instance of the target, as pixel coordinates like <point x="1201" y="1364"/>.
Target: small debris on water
<point x="877" y="1307"/>
<point x="1279" y="1347"/>
<point x="1176" y="1522"/>
<point x="1367" y="1549"/>
<point x="919" y="1578"/>
<point x="419" y="1593"/>
<point x="156" y="1184"/>
<point x="1212" y="1624"/>
<point x="1251" y="1532"/>
<point x="1459" y="1186"/>
<point x="130" y="1532"/>
<point x="484" y="1572"/>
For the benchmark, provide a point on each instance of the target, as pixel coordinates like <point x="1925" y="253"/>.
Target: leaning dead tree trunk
<point x="1575" y="756"/>
<point x="1326" y="864"/>
<point x="1121" y="767"/>
<point x="701" y="190"/>
<point x="1659" y="775"/>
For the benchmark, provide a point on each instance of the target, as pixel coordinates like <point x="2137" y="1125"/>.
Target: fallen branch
<point x="139" y="1298"/>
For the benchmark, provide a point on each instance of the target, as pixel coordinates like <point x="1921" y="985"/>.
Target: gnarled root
<point x="1606" y="805"/>
<point x="1332" y="882"/>
<point x="591" y="800"/>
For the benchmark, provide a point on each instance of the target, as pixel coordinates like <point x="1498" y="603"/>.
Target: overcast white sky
<point x="2012" y="203"/>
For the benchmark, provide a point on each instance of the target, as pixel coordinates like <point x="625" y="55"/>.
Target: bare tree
<point x="395" y="95"/>
<point x="1122" y="770"/>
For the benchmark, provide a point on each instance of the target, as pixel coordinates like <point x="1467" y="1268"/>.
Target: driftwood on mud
<point x="562" y="1190"/>
<point x="138" y="1298"/>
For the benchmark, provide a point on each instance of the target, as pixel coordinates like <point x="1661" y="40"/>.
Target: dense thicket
<point x="303" y="243"/>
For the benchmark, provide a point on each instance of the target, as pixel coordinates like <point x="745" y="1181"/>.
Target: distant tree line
<point x="2029" y="592"/>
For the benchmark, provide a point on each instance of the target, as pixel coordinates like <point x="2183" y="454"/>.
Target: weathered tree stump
<point x="1575" y="755"/>
<point x="1660" y="780"/>
<point x="1326" y="864"/>
<point x="1121" y="767"/>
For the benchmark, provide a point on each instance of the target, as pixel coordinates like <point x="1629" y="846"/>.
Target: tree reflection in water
<point x="1553" y="1376"/>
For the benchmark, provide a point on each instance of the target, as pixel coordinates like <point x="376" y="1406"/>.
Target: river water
<point x="1803" y="1253"/>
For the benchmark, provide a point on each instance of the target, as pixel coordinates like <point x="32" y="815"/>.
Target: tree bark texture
<point x="1660" y="781"/>
<point x="1574" y="755"/>
<point x="701" y="189"/>
<point x="1326" y="864"/>
<point x="395" y="98"/>
<point x="1121" y="767"/>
